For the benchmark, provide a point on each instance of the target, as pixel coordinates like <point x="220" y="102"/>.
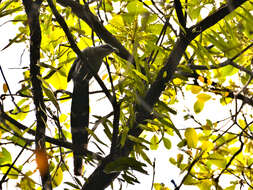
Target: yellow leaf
<point x="209" y="82"/>
<point x="207" y="146"/>
<point x="165" y="74"/>
<point x="154" y="143"/>
<point x="201" y="79"/>
<point x="58" y="81"/>
<point x="57" y="177"/>
<point x="104" y="76"/>
<point x="191" y="137"/>
<point x="226" y="94"/>
<point x="177" y="81"/>
<point x="242" y="123"/>
<point x="5" y="88"/>
<point x="63" y="118"/>
<point x="195" y="89"/>
<point x="218" y="160"/>
<point x="140" y="75"/>
<point x="203" y="97"/>
<point x="117" y="21"/>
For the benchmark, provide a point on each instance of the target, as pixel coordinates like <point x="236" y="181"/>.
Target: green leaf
<point x="137" y="139"/>
<point x="130" y="179"/>
<point x="169" y="124"/>
<point x="180" y="158"/>
<point x="17" y="140"/>
<point x="5" y="156"/>
<point x="166" y="107"/>
<point x="139" y="74"/>
<point x="135" y="7"/>
<point x="145" y="156"/>
<point x="228" y="70"/>
<point x="124" y="136"/>
<point x="51" y="97"/>
<point x="191" y="137"/>
<point x="173" y="161"/>
<point x="205" y="185"/>
<point x="167" y="143"/>
<point x="14" y="40"/>
<point x="217" y="159"/>
<point x="95" y="136"/>
<point x="190" y="180"/>
<point x="182" y="143"/>
<point x="124" y="164"/>
<point x="13" y="174"/>
<point x="21" y="115"/>
<point x="26" y="183"/>
<point x="154" y="143"/>
<point x="232" y="187"/>
<point x="198" y="106"/>
<point x="49" y="92"/>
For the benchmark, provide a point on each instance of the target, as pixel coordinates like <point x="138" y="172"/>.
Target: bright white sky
<point x="10" y="58"/>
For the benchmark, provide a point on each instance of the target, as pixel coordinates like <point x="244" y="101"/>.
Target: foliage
<point x="169" y="52"/>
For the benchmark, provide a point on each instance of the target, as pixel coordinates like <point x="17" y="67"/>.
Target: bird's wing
<point x="72" y="70"/>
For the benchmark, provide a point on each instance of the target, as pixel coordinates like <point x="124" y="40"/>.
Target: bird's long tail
<point x="79" y="122"/>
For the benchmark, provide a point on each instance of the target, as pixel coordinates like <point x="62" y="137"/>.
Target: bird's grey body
<point x="80" y="74"/>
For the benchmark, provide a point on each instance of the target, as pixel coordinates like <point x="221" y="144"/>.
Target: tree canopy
<point x="168" y="51"/>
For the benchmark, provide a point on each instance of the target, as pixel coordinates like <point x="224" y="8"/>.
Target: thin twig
<point x="11" y="166"/>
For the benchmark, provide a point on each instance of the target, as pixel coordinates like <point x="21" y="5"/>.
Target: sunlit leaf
<point x="160" y="186"/>
<point x="51" y="96"/>
<point x="205" y="185"/>
<point x="26" y="183"/>
<point x="58" y="81"/>
<point x="217" y="159"/>
<point x="232" y="187"/>
<point x="203" y="97"/>
<point x="191" y="137"/>
<point x="167" y="143"/>
<point x="198" y="106"/>
<point x="207" y="145"/>
<point x="5" y="156"/>
<point x="135" y="7"/>
<point x="154" y="143"/>
<point x="195" y="89"/>
<point x="140" y="75"/>
<point x="57" y="177"/>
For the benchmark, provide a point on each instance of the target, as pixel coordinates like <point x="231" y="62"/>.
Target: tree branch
<point x="65" y="28"/>
<point x="152" y="96"/>
<point x="225" y="63"/>
<point x="220" y="90"/>
<point x="215" y="17"/>
<point x="83" y="12"/>
<point x="65" y="144"/>
<point x="180" y="15"/>
<point x="32" y="11"/>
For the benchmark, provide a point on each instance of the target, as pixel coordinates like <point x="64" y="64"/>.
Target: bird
<point x="79" y="116"/>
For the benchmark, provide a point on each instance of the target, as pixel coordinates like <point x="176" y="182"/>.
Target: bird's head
<point x="103" y="50"/>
